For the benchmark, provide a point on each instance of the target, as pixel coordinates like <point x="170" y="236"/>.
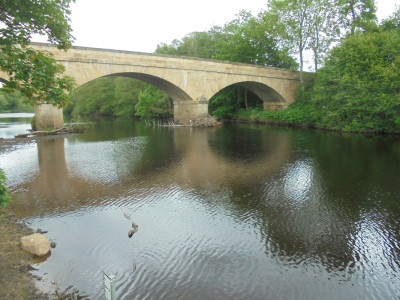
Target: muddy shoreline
<point x="16" y="280"/>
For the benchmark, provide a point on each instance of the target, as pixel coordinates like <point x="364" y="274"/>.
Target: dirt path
<point x="15" y="280"/>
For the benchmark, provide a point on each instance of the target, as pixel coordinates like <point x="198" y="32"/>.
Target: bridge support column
<point x="48" y="117"/>
<point x="274" y="106"/>
<point x="187" y="111"/>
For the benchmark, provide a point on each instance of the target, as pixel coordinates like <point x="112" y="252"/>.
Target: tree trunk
<point x="353" y="15"/>
<point x="315" y="61"/>
<point x="245" y="98"/>
<point x="301" y="65"/>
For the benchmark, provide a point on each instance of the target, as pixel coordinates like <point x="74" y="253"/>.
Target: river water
<point x="237" y="212"/>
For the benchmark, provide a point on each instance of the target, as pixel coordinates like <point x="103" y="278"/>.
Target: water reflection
<point x="221" y="211"/>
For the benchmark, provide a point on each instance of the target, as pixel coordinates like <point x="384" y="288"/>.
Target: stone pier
<point x="187" y="111"/>
<point x="48" y="117"/>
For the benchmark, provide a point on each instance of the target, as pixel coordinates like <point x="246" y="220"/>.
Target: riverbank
<point x="16" y="281"/>
<point x="298" y="115"/>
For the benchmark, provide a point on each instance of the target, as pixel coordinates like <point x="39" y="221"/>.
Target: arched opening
<point x="227" y="101"/>
<point x="174" y="92"/>
<point x="126" y="94"/>
<point x="243" y="96"/>
<point x="264" y="92"/>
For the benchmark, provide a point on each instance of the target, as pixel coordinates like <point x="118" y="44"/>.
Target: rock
<point x="30" y="268"/>
<point x="36" y="244"/>
<point x="53" y="244"/>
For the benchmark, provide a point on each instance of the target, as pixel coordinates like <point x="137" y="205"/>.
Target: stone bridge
<point x="189" y="82"/>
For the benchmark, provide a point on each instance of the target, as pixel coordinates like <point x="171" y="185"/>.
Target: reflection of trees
<point x="324" y="203"/>
<point x="244" y="143"/>
<point x="361" y="181"/>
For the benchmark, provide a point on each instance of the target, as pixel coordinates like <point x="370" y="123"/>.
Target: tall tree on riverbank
<point x="356" y="14"/>
<point x="250" y="39"/>
<point x="195" y="44"/>
<point x="294" y="24"/>
<point x="35" y="73"/>
<point x="324" y="29"/>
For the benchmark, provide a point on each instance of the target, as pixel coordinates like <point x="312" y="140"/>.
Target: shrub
<point x="4" y="195"/>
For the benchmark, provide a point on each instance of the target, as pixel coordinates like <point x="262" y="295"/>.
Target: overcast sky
<point x="141" y="25"/>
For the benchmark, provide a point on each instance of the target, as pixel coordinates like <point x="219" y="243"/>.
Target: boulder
<point x="36" y="244"/>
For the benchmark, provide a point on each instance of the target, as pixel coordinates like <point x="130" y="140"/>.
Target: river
<point x="236" y="212"/>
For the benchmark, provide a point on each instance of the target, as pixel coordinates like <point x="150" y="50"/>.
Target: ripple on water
<point x="104" y="162"/>
<point x="210" y="227"/>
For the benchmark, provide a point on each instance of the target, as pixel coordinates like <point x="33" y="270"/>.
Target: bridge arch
<point x="173" y="91"/>
<point x="266" y="93"/>
<point x="263" y="91"/>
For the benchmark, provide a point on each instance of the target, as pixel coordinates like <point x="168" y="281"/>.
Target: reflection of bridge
<point x="190" y="82"/>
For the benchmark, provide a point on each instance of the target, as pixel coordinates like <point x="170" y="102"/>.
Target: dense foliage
<point x="4" y="196"/>
<point x="153" y="103"/>
<point x="246" y="39"/>
<point x="358" y="89"/>
<point x="13" y="102"/>
<point x="34" y="73"/>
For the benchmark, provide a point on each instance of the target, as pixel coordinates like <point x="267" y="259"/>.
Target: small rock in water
<point x="36" y="244"/>
<point x="53" y="244"/>
<point x="41" y="231"/>
<point x="30" y="268"/>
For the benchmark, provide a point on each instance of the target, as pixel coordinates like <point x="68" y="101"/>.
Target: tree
<point x="13" y="102"/>
<point x="126" y="92"/>
<point x="359" y="86"/>
<point x="294" y="24"/>
<point x="34" y="73"/>
<point x="356" y="14"/>
<point x="195" y="44"/>
<point x="153" y="103"/>
<point x="250" y="39"/>
<point x="324" y="29"/>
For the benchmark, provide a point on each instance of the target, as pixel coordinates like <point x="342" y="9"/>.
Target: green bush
<point x="14" y="102"/>
<point x="33" y="123"/>
<point x="4" y="195"/>
<point x="154" y="103"/>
